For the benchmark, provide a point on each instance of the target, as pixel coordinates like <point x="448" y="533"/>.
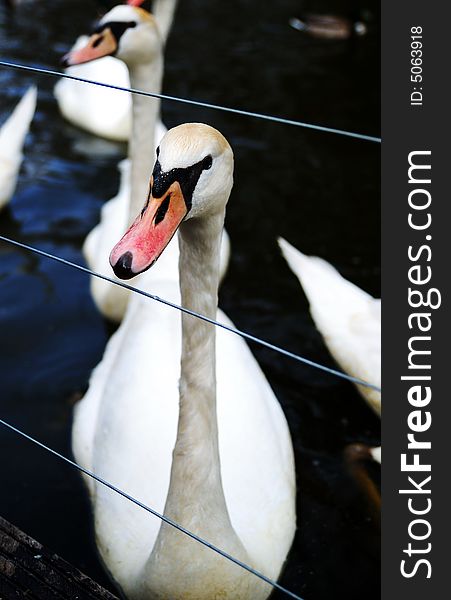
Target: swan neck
<point x="195" y="482"/>
<point x="199" y="241"/>
<point x="163" y="11"/>
<point x="145" y="77"/>
<point x="196" y="497"/>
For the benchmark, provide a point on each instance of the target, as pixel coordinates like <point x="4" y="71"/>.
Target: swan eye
<point x="207" y="162"/>
<point x="162" y="210"/>
<point x="158" y="151"/>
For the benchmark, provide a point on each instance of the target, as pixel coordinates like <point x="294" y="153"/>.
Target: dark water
<point x="319" y="191"/>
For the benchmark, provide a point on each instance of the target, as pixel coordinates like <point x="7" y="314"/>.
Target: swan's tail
<point x="15" y="129"/>
<point x="347" y="317"/>
<point x="322" y="283"/>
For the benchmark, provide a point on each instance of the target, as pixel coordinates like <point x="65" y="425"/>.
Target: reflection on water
<point x="319" y="191"/>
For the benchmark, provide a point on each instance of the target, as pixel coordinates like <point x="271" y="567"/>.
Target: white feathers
<point x="12" y="138"/>
<point x="101" y="111"/>
<point x="127" y="424"/>
<point x="348" y="318"/>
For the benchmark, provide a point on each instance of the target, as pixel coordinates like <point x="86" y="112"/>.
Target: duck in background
<point x="105" y="112"/>
<point x="12" y="138"/>
<point x="329" y="27"/>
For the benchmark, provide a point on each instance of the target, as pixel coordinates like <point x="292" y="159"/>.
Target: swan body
<point x="113" y="220"/>
<point x="348" y="318"/>
<point x="212" y="452"/>
<point x="101" y="111"/>
<point x="12" y="139"/>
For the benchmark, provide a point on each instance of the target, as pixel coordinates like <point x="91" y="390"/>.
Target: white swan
<point x="12" y="138"/>
<point x="132" y="35"/>
<point x="101" y="111"/>
<point x="104" y="112"/>
<point x="231" y="475"/>
<point x="348" y="318"/>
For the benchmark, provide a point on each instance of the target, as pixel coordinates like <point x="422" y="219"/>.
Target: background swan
<point x="348" y="318"/>
<point x="105" y="112"/>
<point x="232" y="479"/>
<point x="132" y="35"/>
<point x="12" y="138"/>
<point x="101" y="111"/>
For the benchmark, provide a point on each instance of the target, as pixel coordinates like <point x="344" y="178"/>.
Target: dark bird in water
<point x="331" y="27"/>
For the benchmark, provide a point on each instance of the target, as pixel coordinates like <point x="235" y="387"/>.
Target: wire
<point x="151" y="510"/>
<point x="237" y="111"/>
<point x="187" y="311"/>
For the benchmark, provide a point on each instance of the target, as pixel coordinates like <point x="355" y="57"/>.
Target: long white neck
<point x="163" y="11"/>
<point x="146" y="77"/>
<point x="196" y="454"/>
<point x="196" y="497"/>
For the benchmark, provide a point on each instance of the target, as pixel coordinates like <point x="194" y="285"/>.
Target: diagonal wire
<point x="152" y="511"/>
<point x="192" y="313"/>
<point x="237" y="111"/>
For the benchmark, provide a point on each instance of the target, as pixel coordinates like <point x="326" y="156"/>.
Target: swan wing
<point x="348" y="318"/>
<point x="99" y="110"/>
<point x="12" y="138"/>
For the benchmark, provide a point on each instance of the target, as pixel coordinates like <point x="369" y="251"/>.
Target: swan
<point x="101" y="111"/>
<point x="139" y="46"/>
<point x="348" y="318"/>
<point x="12" y="138"/>
<point x="132" y="35"/>
<point x="222" y="466"/>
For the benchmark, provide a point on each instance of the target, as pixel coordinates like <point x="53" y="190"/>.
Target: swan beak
<point x="150" y="233"/>
<point x="99" y="45"/>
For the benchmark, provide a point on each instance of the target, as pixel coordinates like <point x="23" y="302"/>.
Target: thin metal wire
<point x="152" y="511"/>
<point x="237" y="111"/>
<point x="187" y="311"/>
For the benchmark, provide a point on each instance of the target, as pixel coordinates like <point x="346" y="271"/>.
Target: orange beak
<point x="99" y="45"/>
<point x="150" y="233"/>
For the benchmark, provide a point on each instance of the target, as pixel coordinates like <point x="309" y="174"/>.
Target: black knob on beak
<point x="64" y="61"/>
<point x="123" y="267"/>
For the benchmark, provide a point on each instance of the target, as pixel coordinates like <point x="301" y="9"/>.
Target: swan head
<point x="127" y="32"/>
<point x="192" y="179"/>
